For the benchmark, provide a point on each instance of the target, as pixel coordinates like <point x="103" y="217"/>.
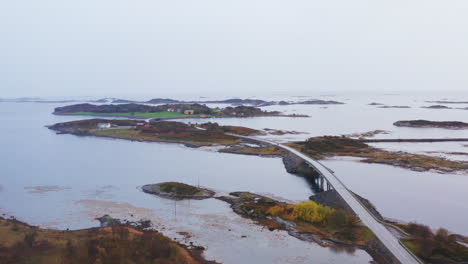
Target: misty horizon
<point x="109" y="48"/>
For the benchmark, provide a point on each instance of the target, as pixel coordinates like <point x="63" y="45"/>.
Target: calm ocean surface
<point x="65" y="181"/>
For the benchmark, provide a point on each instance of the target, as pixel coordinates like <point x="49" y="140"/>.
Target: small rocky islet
<point x="177" y="191"/>
<point x="431" y="124"/>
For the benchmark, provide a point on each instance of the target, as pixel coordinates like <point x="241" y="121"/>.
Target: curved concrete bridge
<point x="380" y="231"/>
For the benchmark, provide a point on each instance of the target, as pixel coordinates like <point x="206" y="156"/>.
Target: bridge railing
<point x="373" y="216"/>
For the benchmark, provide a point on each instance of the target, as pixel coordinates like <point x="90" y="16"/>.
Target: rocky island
<point x="232" y="101"/>
<point x="212" y="134"/>
<point x="394" y="106"/>
<point x="432" y="124"/>
<point x="162" y="131"/>
<point x="448" y="102"/>
<point x="166" y="111"/>
<point x="436" y="107"/>
<point x="178" y="191"/>
<point x="332" y="146"/>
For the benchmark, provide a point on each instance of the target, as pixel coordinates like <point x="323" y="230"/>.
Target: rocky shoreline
<point x="320" y="147"/>
<point x="372" y="246"/>
<point x="21" y="242"/>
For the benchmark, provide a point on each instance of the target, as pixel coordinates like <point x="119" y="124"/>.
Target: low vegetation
<point x="322" y="146"/>
<point x="335" y="223"/>
<point x="177" y="190"/>
<point x="305" y="218"/>
<point x="164" y="131"/>
<point x="92" y="123"/>
<point x="439" y="248"/>
<point x="245" y="111"/>
<point x="177" y="110"/>
<point x="131" y="109"/>
<point x="328" y="146"/>
<point x="267" y="150"/>
<point x="142" y="115"/>
<point x="24" y="244"/>
<point x="367" y="134"/>
<point x="239" y="130"/>
<point x="432" y="124"/>
<point x="278" y="132"/>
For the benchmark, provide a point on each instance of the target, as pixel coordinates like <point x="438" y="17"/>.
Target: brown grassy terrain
<point x="164" y="131"/>
<point x="21" y="243"/>
<point x="260" y="151"/>
<point x="438" y="248"/>
<point x="244" y="131"/>
<point x="193" y="137"/>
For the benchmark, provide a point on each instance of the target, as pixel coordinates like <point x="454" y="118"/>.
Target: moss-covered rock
<point x="177" y="190"/>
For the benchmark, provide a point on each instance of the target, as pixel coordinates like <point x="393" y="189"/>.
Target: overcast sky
<point x="124" y="47"/>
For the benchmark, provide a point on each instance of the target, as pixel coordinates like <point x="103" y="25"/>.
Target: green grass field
<point x="137" y="114"/>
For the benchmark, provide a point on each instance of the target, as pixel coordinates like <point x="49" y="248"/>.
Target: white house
<point x="104" y="125"/>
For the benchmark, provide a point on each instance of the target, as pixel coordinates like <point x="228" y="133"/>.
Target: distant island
<point x="448" y="102"/>
<point x="432" y="124"/>
<point x="444" y="107"/>
<point x="165" y="111"/>
<point x="436" y="107"/>
<point x="394" y="106"/>
<point x="232" y="101"/>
